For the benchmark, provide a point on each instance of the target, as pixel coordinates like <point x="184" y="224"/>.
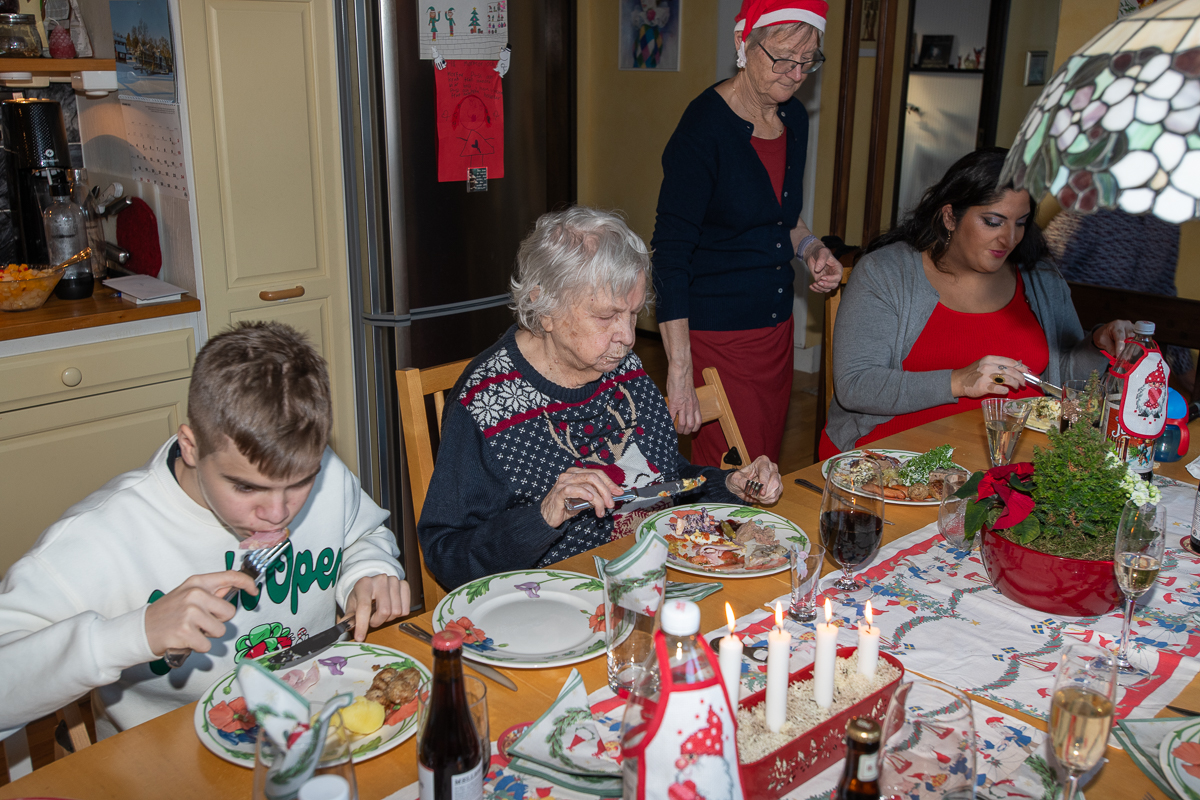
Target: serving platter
<point x="787" y="533"/>
<point x="904" y="456"/>
<point x="1039" y="424"/>
<point x="1179" y="752"/>
<point x="527" y="618"/>
<point x="345" y="667"/>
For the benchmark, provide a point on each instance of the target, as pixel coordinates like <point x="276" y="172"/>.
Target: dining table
<point x="164" y="756"/>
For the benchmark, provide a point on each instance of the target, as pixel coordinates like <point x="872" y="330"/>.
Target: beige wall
<point x="1032" y="25"/>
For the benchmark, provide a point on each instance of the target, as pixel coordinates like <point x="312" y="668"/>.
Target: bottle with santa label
<point x="679" y="733"/>
<point x="1135" y="392"/>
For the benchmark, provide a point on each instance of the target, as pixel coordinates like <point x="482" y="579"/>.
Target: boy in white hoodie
<point x="141" y="565"/>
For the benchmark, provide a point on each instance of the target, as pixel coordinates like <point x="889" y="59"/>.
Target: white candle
<point x="779" y="646"/>
<point x="868" y="644"/>
<point x="731" y="662"/>
<point x="826" y="660"/>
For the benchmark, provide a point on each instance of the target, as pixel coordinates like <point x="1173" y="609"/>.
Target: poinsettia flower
<point x="1017" y="505"/>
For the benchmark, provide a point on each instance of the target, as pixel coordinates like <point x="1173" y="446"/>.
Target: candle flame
<point x="868" y="614"/>
<point x="828" y="612"/>
<point x="778" y="615"/>
<point x="729" y="616"/>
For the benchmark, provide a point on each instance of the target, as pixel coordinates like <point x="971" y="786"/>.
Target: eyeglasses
<point x="782" y="66"/>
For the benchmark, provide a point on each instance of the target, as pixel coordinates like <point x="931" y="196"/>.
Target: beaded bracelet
<point x="804" y="245"/>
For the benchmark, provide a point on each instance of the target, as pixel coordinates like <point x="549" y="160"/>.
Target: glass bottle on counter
<point x="1131" y="393"/>
<point x="860" y="778"/>
<point x="66" y="236"/>
<point x="450" y="758"/>
<point x="95" y="233"/>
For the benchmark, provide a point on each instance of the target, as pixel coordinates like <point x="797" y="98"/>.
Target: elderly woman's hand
<point x="574" y="485"/>
<point x="988" y="375"/>
<point x="1111" y="336"/>
<point x="826" y="270"/>
<point x="763" y="470"/>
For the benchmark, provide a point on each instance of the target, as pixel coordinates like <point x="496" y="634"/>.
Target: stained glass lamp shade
<point x="1117" y="125"/>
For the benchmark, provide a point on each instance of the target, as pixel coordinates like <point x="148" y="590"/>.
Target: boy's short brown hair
<point x="264" y="387"/>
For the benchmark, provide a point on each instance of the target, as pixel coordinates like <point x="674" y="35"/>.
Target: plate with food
<point x="906" y="475"/>
<point x="384" y="713"/>
<point x="729" y="540"/>
<point x="527" y="618"/>
<point x="1043" y="414"/>
<point x="1179" y="757"/>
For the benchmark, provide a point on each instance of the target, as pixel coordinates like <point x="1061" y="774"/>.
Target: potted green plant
<point x="1049" y="526"/>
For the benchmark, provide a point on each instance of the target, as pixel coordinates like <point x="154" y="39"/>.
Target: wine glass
<point x="1141" y="541"/>
<point x="929" y="743"/>
<point x="1081" y="712"/>
<point x="852" y="518"/>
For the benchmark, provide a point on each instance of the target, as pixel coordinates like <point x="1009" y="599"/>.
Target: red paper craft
<point x="470" y="119"/>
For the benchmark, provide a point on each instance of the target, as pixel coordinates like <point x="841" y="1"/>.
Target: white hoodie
<point x="72" y="609"/>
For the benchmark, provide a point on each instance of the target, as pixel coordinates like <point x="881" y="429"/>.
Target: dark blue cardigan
<point x="722" y="243"/>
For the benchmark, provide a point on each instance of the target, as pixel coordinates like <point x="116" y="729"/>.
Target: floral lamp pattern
<point x="1117" y="126"/>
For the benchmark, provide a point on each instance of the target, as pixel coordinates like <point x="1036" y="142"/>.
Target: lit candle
<point x="779" y="646"/>
<point x="868" y="644"/>
<point x="731" y="661"/>
<point x="826" y="660"/>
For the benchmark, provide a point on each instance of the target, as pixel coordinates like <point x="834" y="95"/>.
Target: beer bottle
<point x="860" y="779"/>
<point x="450" y="757"/>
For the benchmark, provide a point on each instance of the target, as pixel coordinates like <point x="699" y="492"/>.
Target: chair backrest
<point x="15" y="748"/>
<point x="413" y="386"/>
<point x="825" y="382"/>
<point x="714" y="405"/>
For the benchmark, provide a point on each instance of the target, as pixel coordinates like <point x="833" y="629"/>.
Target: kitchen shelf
<point x="104" y="307"/>
<point x="57" y="66"/>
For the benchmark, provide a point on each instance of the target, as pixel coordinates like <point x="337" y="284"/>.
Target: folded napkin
<point x="566" y="738"/>
<point x="692" y="591"/>
<point x="1142" y="739"/>
<point x="296" y="741"/>
<point x="635" y="580"/>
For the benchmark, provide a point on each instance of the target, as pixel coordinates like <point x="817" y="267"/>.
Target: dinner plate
<point x="1184" y="783"/>
<point x="527" y="618"/>
<point x="904" y="456"/>
<point x="345" y="667"/>
<point x="1036" y="423"/>
<point x="787" y="533"/>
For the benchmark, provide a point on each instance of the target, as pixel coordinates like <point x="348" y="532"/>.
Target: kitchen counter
<point x="104" y="307"/>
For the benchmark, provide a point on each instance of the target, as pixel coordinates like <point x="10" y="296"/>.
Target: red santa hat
<point x="764" y="13"/>
<point x="1158" y="377"/>
<point x="706" y="741"/>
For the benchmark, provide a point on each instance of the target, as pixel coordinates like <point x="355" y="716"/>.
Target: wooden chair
<point x="413" y="386"/>
<point x="825" y="382"/>
<point x="714" y="405"/>
<point x="16" y="747"/>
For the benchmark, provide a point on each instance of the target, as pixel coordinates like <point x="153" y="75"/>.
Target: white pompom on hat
<point x="763" y="13"/>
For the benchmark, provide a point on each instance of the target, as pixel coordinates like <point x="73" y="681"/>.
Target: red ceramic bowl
<point x="1068" y="587"/>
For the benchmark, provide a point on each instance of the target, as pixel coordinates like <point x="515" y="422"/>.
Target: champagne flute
<point x="1141" y="542"/>
<point x="1081" y="712"/>
<point x="852" y="518"/>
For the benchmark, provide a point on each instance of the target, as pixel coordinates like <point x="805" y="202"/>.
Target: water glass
<point x="476" y="691"/>
<point x="336" y="759"/>
<point x="806" y="576"/>
<point x="952" y="511"/>
<point x="628" y="631"/>
<point x="928" y="743"/>
<point x="1081" y="710"/>
<point x="1004" y="420"/>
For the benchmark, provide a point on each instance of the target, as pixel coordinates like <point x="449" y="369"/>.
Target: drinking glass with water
<point x="1004" y="420"/>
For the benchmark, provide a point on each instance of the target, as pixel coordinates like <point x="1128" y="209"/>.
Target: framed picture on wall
<point x="870" y="20"/>
<point x="935" y="51"/>
<point x="1035" y="67"/>
<point x="649" y="34"/>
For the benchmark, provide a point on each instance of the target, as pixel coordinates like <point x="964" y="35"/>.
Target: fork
<point x="256" y="564"/>
<point x="753" y="489"/>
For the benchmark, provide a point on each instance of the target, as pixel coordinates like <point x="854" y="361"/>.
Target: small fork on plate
<point x="256" y="564"/>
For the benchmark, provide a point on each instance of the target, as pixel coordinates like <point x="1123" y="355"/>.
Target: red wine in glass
<point x="851" y="518"/>
<point x="852" y="537"/>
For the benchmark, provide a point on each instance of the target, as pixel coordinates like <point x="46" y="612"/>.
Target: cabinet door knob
<point x="71" y="376"/>
<point x="282" y="294"/>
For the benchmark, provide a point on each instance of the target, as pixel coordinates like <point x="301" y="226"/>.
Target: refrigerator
<point x="430" y="262"/>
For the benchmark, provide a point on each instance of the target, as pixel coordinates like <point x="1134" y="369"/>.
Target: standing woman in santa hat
<point x="728" y="227"/>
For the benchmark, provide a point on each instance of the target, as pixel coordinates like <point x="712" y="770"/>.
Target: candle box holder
<point x="807" y="756"/>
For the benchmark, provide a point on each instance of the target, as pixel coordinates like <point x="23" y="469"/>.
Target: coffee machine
<point x="35" y="142"/>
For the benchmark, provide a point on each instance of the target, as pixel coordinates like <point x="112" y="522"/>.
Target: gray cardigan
<point x="886" y="304"/>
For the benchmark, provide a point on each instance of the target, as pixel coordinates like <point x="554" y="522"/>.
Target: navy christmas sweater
<point x="508" y="433"/>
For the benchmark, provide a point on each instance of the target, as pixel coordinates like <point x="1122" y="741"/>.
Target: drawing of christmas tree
<point x="474" y="23"/>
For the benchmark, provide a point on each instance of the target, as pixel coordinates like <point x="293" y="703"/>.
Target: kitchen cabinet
<point x="261" y="84"/>
<point x="72" y="419"/>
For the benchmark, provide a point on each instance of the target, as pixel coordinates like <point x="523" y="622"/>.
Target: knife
<point x="664" y="489"/>
<point x="1048" y="389"/>
<point x="423" y="635"/>
<point x="1187" y="712"/>
<point x="313" y="645"/>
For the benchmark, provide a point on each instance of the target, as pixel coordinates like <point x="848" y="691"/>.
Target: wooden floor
<point x="800" y="431"/>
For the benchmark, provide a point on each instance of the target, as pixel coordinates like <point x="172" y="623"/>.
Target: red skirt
<point x="756" y="369"/>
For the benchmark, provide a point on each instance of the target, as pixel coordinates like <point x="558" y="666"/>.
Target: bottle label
<point x="868" y="767"/>
<point x="1143" y="410"/>
<point x="464" y="786"/>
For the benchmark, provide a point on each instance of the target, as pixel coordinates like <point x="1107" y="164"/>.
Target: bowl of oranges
<point x="24" y="287"/>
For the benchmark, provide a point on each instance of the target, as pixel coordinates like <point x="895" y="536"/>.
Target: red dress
<point x="756" y="366"/>
<point x="953" y="339"/>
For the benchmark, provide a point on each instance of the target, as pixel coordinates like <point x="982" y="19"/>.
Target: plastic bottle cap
<point x="447" y="640"/>
<point x="326" y="787"/>
<point x="681" y="618"/>
<point x="863" y="729"/>
<point x="1143" y="327"/>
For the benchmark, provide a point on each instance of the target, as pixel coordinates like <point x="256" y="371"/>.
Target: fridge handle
<point x="389" y="63"/>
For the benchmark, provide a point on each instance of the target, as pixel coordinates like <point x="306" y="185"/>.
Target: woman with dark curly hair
<point x="951" y="307"/>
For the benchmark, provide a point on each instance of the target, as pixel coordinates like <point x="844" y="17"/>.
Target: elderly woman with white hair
<point x="560" y="411"/>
